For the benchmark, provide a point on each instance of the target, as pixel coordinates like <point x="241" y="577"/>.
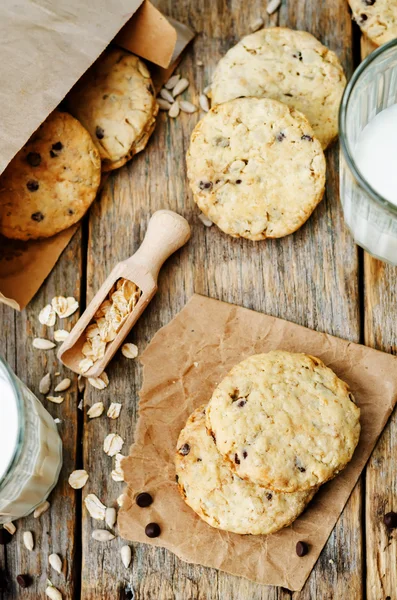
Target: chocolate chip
<point x="280" y="136"/>
<point x="199" y="460"/>
<point x="144" y="499"/>
<point x="205" y="185"/>
<point x="390" y="520"/>
<point x="245" y="454"/>
<point x="70" y="211"/>
<point x="307" y="138"/>
<point x="176" y="478"/>
<point x="53" y="154"/>
<point x="32" y="185"/>
<point x="34" y="159"/>
<point x="236" y="459"/>
<point x="37" y="216"/>
<point x="369" y="2"/>
<point x="99" y="132"/>
<point x="238" y="181"/>
<point x="153" y="530"/>
<point x="302" y="549"/>
<point x="269" y="496"/>
<point x="289" y="95"/>
<point x="297" y="55"/>
<point x="5" y="537"/>
<point x="57" y="146"/>
<point x="184" y="450"/>
<point x="24" y="581"/>
<point x="363" y="18"/>
<point x="242" y="403"/>
<point x="302" y="469"/>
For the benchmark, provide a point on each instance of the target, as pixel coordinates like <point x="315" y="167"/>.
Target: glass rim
<point x="345" y="146"/>
<point x="11" y="379"/>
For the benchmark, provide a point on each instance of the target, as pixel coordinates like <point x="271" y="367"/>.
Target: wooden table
<point x="317" y="277"/>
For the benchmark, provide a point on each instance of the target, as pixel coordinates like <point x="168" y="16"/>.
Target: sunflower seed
<point x="180" y="87"/>
<point x="166" y="95"/>
<point x="10" y="527"/>
<point x="96" y="410"/>
<point x="142" y="68"/>
<point x="112" y="444"/>
<point x="45" y="384"/>
<point x="163" y="104"/>
<point x="43" y="344"/>
<point x="129" y="350"/>
<point x="78" y="479"/>
<point x="102" y="535"/>
<point x="81" y="383"/>
<point x="126" y="556"/>
<point x="95" y="507"/>
<point x="41" y="509"/>
<point x="85" y="365"/>
<point x="47" y="316"/>
<point x="205" y="220"/>
<point x="272" y="6"/>
<point x="257" y="24"/>
<point x="53" y="593"/>
<point x="187" y="107"/>
<point x="99" y="382"/>
<point x="60" y="335"/>
<point x="110" y="517"/>
<point x="55" y="562"/>
<point x="174" y="110"/>
<point x="56" y="399"/>
<point x="120" y="500"/>
<point x="204" y="103"/>
<point x="171" y="83"/>
<point x="114" y="410"/>
<point x="28" y="540"/>
<point x="63" y="385"/>
<point x="118" y="473"/>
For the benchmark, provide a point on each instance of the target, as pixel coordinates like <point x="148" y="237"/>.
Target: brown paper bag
<point x="182" y="365"/>
<point x="44" y="52"/>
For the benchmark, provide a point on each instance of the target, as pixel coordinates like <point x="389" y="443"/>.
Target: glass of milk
<point x="368" y="156"/>
<point x="30" y="449"/>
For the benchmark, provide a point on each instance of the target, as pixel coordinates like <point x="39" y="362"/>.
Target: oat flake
<point x="78" y="479"/>
<point x="96" y="410"/>
<point x="95" y="507"/>
<point x="47" y="316"/>
<point x="112" y="444"/>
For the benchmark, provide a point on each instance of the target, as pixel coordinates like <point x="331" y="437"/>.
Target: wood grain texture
<point x="54" y="531"/>
<point x="310" y="278"/>
<point x="380" y="287"/>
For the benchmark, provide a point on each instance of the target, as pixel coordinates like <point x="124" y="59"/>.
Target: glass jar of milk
<point x="30" y="449"/>
<point x="368" y="157"/>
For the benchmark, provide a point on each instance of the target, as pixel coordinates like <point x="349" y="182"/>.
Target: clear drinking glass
<point x="31" y="446"/>
<point x="371" y="218"/>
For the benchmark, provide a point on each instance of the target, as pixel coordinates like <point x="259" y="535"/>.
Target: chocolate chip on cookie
<point x="32" y="185"/>
<point x="99" y="132"/>
<point x="37" y="216"/>
<point x="307" y="137"/>
<point x="184" y="450"/>
<point x="33" y="158"/>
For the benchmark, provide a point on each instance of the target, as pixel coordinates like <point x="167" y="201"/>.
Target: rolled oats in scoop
<point x="115" y="102"/>
<point x="255" y="168"/>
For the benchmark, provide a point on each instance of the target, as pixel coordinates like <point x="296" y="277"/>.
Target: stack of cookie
<point x="55" y="177"/>
<point x="255" y="163"/>
<point x="277" y="427"/>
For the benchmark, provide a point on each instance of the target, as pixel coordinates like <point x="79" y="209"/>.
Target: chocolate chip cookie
<point x="377" y="19"/>
<point x="219" y="496"/>
<point x="255" y="168"/>
<point x="51" y="182"/>
<point x="116" y="103"/>
<point x="284" y="420"/>
<point x="286" y="65"/>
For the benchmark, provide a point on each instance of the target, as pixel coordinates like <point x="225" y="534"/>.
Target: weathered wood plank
<point x="56" y="530"/>
<point x="310" y="278"/>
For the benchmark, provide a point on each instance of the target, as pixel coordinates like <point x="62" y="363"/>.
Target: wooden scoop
<point x="167" y="232"/>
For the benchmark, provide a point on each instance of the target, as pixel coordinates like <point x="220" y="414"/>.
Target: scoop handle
<point x="167" y="232"/>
